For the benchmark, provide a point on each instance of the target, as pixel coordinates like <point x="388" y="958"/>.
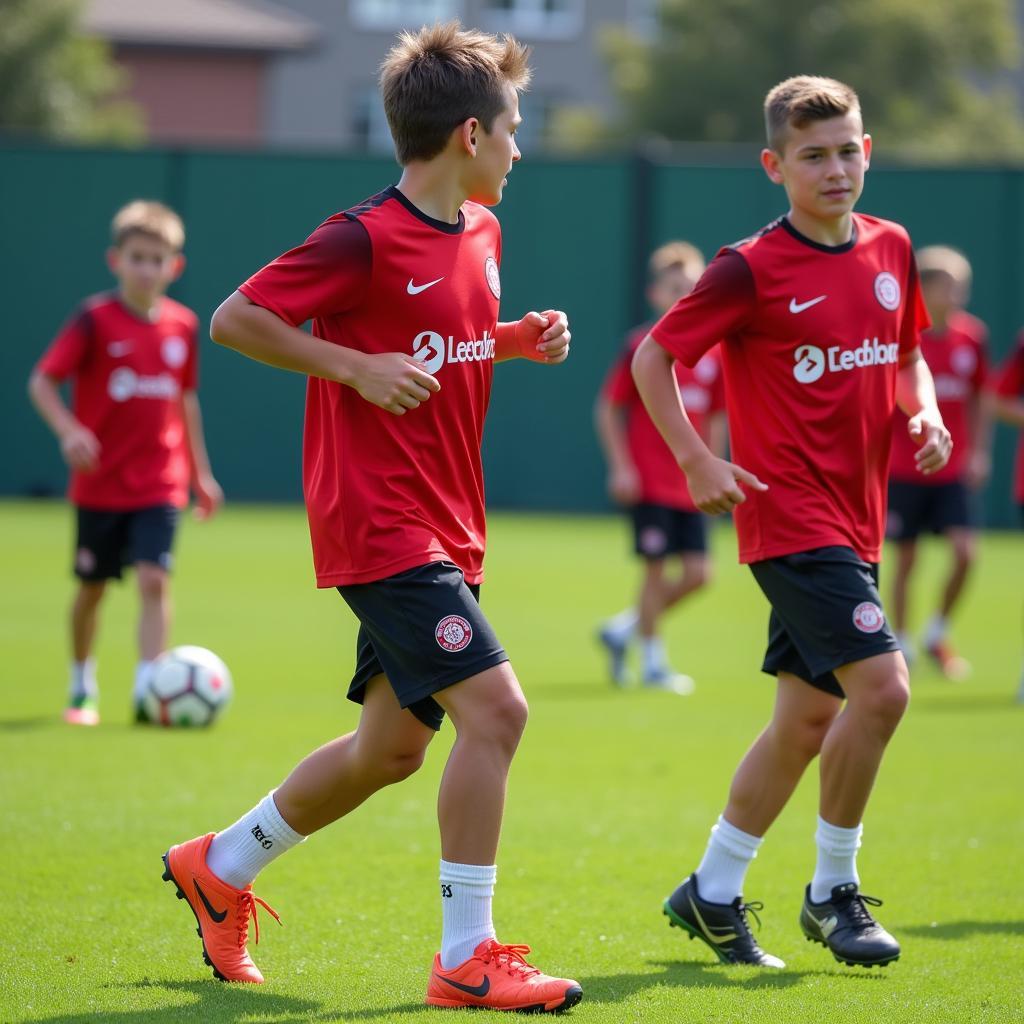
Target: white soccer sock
<point x="83" y="679"/>
<point x="837" y="858"/>
<point x="730" y="850"/>
<point x="466" y="892"/>
<point x="239" y="853"/>
<point x="143" y="673"/>
<point x="621" y="626"/>
<point x="652" y="651"/>
<point x="938" y="626"/>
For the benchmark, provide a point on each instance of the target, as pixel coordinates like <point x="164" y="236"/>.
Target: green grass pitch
<point x="610" y="800"/>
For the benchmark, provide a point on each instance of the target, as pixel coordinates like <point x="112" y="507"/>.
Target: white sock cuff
<point x="275" y="825"/>
<point x="737" y="842"/>
<point x="469" y="874"/>
<point x="839" y="842"/>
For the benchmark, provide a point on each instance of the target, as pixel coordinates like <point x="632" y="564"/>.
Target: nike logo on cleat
<point x="799" y="307"/>
<point x="415" y="289"/>
<point x="217" y="915"/>
<point x="706" y="929"/>
<point x="474" y="990"/>
<point x="827" y="924"/>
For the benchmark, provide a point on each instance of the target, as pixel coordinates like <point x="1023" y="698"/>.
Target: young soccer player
<point x="133" y="438"/>
<point x="643" y="476"/>
<point x="819" y="316"/>
<point x="403" y="292"/>
<point x="1007" y="401"/>
<point x="956" y="351"/>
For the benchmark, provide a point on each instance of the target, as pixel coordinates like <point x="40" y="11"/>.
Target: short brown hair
<point x="435" y="79"/>
<point x="675" y="256"/>
<point x="150" y="218"/>
<point x="933" y="260"/>
<point x="800" y="100"/>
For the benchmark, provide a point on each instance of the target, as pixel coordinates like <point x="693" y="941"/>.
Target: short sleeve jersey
<point x="661" y="480"/>
<point x="1010" y="384"/>
<point x="957" y="355"/>
<point x="811" y="340"/>
<point x="127" y="376"/>
<point x="385" y="493"/>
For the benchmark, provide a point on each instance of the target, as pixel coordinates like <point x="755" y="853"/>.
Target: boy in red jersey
<point x="955" y="348"/>
<point x="1007" y="400"/>
<point x="133" y="437"/>
<point x="643" y="476"/>
<point x="819" y="316"/>
<point x="403" y="292"/>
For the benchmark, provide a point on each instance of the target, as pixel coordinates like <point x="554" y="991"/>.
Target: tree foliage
<point x="927" y="73"/>
<point x="57" y="82"/>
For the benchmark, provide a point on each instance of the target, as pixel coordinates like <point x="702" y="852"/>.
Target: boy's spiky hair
<point x="798" y="101"/>
<point x="434" y="79"/>
<point x="150" y="218"/>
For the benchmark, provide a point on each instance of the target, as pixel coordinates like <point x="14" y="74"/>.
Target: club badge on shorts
<point x="868" y="617"/>
<point x="453" y="633"/>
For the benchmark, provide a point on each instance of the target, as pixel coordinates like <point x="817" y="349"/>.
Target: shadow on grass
<point x="614" y="988"/>
<point x="965" y="929"/>
<point x="215" y="1001"/>
<point x="27" y="724"/>
<point x="969" y="702"/>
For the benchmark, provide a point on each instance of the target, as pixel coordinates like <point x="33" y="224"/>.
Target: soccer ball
<point x="189" y="686"/>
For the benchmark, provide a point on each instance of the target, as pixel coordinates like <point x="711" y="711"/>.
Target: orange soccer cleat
<point x="948" y="662"/>
<point x="497" y="977"/>
<point x="82" y="711"/>
<point x="221" y="911"/>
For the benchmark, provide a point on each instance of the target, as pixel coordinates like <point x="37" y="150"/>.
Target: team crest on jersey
<point x="492" y="275"/>
<point x="706" y="370"/>
<point x="868" y="617"/>
<point x="963" y="360"/>
<point x="453" y="633"/>
<point x="887" y="291"/>
<point x="174" y="351"/>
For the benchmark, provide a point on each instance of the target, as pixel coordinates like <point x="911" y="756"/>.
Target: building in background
<point x="303" y="73"/>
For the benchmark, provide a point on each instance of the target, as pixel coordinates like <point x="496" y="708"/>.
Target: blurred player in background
<point x="403" y="291"/>
<point x="644" y="477"/>
<point x="818" y="316"/>
<point x="956" y="351"/>
<point x="133" y="438"/>
<point x="1007" y="399"/>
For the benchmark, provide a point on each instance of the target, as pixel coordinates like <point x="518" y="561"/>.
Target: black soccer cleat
<point x="722" y="926"/>
<point x="844" y="924"/>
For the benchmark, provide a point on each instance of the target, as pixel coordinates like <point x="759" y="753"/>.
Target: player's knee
<point x="400" y="764"/>
<point x="506" y="720"/>
<point x="91" y="592"/>
<point x="888" y="701"/>
<point x="700" y="575"/>
<point x="153" y="582"/>
<point x="964" y="550"/>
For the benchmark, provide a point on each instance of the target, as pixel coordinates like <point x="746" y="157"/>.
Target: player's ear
<point x="179" y="266"/>
<point x="770" y="161"/>
<point x="468" y="132"/>
<point x="867" y="151"/>
<point x="113" y="259"/>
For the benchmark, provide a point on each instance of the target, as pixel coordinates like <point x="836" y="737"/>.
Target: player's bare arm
<point x="714" y="483"/>
<point x="542" y="337"/>
<point x="209" y="496"/>
<point x="1006" y="409"/>
<point x="78" y="444"/>
<point x="915" y="395"/>
<point x="392" y="380"/>
<point x="623" y="478"/>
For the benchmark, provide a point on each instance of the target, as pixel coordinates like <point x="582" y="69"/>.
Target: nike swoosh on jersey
<point x="474" y="990"/>
<point x="415" y="289"/>
<point x="799" y="307"/>
<point x="119" y="348"/>
<point x="217" y="915"/>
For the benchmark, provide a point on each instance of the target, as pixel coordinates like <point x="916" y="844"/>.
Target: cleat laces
<point x="860" y="916"/>
<point x="247" y="902"/>
<point x="510" y="957"/>
<point x="753" y="908"/>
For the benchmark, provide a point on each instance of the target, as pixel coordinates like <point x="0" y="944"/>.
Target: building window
<point x="642" y="18"/>
<point x="369" y="123"/>
<point x="391" y="14"/>
<point x="547" y="19"/>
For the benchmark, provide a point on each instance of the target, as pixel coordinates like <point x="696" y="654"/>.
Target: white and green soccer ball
<point x="189" y="686"/>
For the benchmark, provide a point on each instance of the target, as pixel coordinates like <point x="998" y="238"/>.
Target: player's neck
<point x="146" y="307"/>
<point x="834" y="231"/>
<point x="431" y="188"/>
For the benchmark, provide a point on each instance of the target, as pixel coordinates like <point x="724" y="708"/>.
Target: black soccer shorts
<point x="660" y="531"/>
<point x="934" y="508"/>
<point x="107" y="540"/>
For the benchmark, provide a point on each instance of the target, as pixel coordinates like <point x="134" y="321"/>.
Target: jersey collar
<point x="440" y="225"/>
<point x="834" y="249"/>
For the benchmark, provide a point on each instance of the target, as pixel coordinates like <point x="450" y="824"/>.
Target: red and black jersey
<point x="812" y="337"/>
<point x="661" y="480"/>
<point x="1010" y="384"/>
<point x="128" y="375"/>
<point x="958" y="359"/>
<point x="385" y="493"/>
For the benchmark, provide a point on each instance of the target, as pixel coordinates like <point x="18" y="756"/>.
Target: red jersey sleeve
<point x="915" y="315"/>
<point x="69" y="349"/>
<point x="619" y="387"/>
<point x="326" y="275"/>
<point x="1010" y="379"/>
<point x="718" y="306"/>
